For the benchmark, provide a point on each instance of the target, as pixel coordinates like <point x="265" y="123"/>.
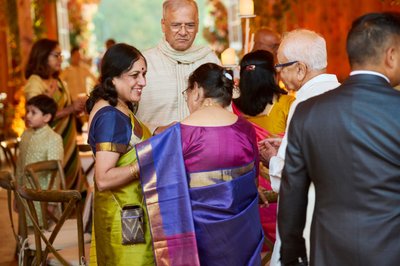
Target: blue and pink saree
<point x="200" y="192"/>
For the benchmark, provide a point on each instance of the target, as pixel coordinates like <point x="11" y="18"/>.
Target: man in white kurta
<point x="169" y="65"/>
<point x="304" y="73"/>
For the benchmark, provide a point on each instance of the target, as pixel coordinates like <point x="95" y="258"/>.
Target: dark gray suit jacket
<point x="346" y="141"/>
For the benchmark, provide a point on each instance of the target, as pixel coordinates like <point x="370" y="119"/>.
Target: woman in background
<point x="42" y="73"/>
<point x="199" y="180"/>
<point x="113" y="133"/>
<point x="266" y="106"/>
<point x="261" y="100"/>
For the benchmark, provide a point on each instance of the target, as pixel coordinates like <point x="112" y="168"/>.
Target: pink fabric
<point x="208" y="148"/>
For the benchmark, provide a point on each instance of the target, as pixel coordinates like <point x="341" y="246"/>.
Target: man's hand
<point x="268" y="148"/>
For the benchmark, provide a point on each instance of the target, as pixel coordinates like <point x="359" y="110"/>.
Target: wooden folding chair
<point x="55" y="171"/>
<point x="21" y="235"/>
<point x="6" y="182"/>
<point x="46" y="251"/>
<point x="10" y="150"/>
<point x="85" y="152"/>
<point x="87" y="171"/>
<point x="54" y="167"/>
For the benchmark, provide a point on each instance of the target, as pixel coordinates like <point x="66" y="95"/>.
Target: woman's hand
<point x="160" y="129"/>
<point x="78" y="105"/>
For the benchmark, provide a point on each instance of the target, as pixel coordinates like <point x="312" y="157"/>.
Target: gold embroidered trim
<point x="109" y="146"/>
<point x="214" y="177"/>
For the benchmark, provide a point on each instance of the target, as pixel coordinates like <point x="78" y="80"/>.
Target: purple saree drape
<point x="216" y="224"/>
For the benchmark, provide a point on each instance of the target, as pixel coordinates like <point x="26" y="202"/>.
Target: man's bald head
<point x="267" y="39"/>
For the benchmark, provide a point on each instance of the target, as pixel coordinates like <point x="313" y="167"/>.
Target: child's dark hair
<point x="45" y="104"/>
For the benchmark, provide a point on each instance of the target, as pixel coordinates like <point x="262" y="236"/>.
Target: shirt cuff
<point x="275" y="172"/>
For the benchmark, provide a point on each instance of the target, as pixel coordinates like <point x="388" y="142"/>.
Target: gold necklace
<point x="210" y="104"/>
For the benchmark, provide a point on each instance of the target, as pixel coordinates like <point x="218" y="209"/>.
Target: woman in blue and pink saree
<point x="199" y="181"/>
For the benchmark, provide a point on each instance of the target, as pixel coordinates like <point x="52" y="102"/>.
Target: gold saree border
<point x="109" y="146"/>
<point x="203" y="179"/>
<point x="160" y="244"/>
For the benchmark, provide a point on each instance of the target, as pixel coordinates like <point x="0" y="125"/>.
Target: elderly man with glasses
<point x="302" y="58"/>
<point x="170" y="64"/>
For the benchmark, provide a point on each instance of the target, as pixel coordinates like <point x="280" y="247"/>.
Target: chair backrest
<point x="34" y="171"/>
<point x="10" y="150"/>
<point x="72" y="199"/>
<point x="87" y="164"/>
<point x="53" y="171"/>
<point x="84" y="147"/>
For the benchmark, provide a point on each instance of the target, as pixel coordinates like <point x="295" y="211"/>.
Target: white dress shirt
<point x="315" y="86"/>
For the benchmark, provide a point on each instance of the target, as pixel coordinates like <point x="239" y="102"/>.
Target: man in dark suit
<point x="347" y="142"/>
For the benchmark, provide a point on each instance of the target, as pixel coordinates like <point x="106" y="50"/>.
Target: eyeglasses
<point x="57" y="55"/>
<point x="281" y="66"/>
<point x="189" y="27"/>
<point x="184" y="93"/>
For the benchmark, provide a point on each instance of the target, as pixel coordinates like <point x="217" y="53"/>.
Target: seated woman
<point x="199" y="180"/>
<point x="113" y="133"/>
<point x="266" y="106"/>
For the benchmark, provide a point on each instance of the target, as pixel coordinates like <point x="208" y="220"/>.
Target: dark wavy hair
<point x="217" y="82"/>
<point x="257" y="82"/>
<point x="118" y="59"/>
<point x="38" y="59"/>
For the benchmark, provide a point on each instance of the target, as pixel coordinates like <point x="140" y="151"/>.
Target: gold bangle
<point x="134" y="172"/>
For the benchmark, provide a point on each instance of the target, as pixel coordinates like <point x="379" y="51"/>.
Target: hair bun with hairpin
<point x="227" y="75"/>
<point x="250" y="68"/>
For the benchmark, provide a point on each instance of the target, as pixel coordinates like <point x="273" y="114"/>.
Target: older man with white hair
<point x="169" y="65"/>
<point x="302" y="58"/>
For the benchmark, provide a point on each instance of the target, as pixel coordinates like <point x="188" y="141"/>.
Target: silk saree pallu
<point x="203" y="220"/>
